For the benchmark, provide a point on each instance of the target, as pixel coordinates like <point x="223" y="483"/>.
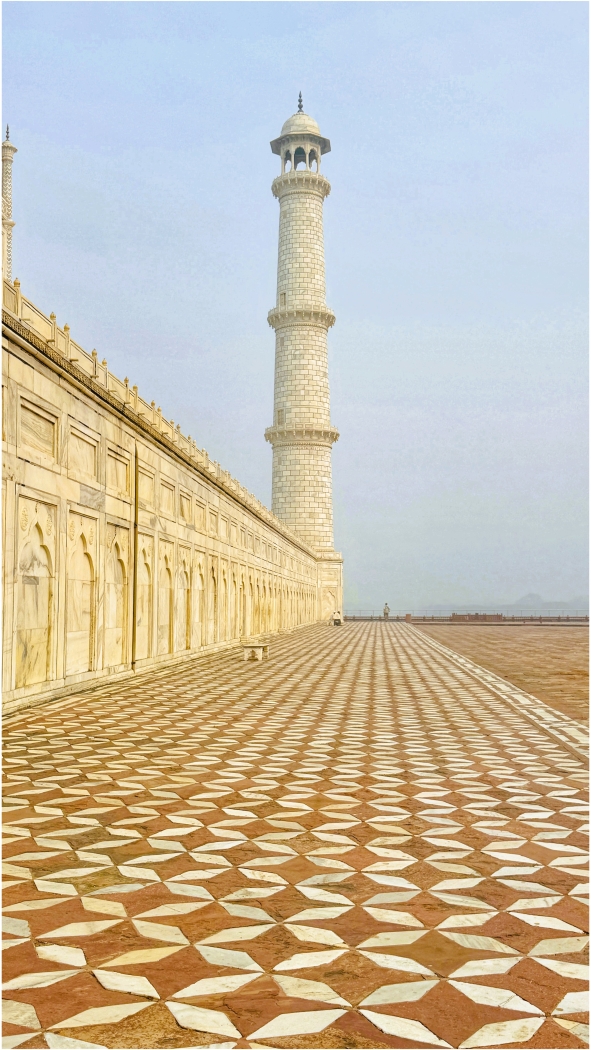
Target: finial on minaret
<point x="300" y="105"/>
<point x="7" y="133"/>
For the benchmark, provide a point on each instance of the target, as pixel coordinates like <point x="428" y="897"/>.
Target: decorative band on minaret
<point x="302" y="434"/>
<point x="8" y="151"/>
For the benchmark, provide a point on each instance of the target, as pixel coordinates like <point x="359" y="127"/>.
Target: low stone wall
<point x="125" y="547"/>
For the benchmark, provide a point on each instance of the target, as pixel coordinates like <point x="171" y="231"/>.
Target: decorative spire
<point x="300" y="105"/>
<point x="8" y="131"/>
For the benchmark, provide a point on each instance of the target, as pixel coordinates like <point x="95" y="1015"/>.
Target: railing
<point x="459" y="618"/>
<point x="60" y="340"/>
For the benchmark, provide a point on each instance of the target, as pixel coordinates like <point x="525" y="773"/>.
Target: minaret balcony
<point x="300" y="180"/>
<point x="283" y="316"/>
<point x="299" y="433"/>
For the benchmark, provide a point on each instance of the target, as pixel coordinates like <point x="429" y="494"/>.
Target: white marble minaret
<point x="302" y="434"/>
<point x="8" y="151"/>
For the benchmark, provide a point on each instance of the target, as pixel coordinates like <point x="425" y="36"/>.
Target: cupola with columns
<point x="300" y="144"/>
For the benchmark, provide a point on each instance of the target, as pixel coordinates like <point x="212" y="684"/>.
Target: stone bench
<point x="255" y="648"/>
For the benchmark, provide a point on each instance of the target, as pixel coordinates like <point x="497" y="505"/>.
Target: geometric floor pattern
<point x="557" y="724"/>
<point x="356" y="843"/>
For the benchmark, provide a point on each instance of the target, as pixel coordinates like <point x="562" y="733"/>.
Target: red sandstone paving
<point x="366" y="733"/>
<point x="552" y="663"/>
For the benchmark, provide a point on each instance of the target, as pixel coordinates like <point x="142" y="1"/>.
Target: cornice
<point x="330" y="556"/>
<point x="23" y="336"/>
<point x="284" y="316"/>
<point x="301" y="435"/>
<point x="300" y="138"/>
<point x="300" y="182"/>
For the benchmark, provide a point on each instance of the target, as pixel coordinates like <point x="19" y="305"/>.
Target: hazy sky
<point x="456" y="252"/>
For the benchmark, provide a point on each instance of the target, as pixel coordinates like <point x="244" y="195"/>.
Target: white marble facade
<point x="122" y="550"/>
<point x="125" y="547"/>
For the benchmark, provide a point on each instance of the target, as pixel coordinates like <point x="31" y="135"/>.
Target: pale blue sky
<point x="456" y="250"/>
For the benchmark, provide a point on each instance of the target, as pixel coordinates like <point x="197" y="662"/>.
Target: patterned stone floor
<point x="359" y="843"/>
<point x="550" y="661"/>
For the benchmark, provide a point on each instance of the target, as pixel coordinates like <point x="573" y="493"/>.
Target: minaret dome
<point x="300" y="144"/>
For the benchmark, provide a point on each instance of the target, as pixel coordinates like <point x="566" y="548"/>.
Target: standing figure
<point x="386" y="611"/>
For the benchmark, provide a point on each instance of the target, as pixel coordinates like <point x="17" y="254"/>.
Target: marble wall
<point x="120" y="555"/>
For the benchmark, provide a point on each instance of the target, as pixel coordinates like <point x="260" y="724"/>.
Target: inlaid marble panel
<point x="146" y="487"/>
<point x="82" y="454"/>
<point x="117" y="473"/>
<point x="37" y="429"/>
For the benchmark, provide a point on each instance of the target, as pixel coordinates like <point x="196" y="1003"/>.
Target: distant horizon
<point x="530" y="603"/>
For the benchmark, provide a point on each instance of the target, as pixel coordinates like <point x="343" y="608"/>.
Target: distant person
<point x="386" y="611"/>
<point x="337" y="619"/>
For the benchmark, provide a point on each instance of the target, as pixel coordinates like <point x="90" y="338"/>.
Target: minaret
<point x="302" y="434"/>
<point x="8" y="151"/>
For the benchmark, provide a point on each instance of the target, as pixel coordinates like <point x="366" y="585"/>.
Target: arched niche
<point x="183" y="608"/>
<point x="223" y="607"/>
<point x="198" y="621"/>
<point x="80" y="606"/>
<point x="165" y="604"/>
<point x="115" y="601"/>
<point x="212" y="612"/>
<point x="144" y="602"/>
<point x="299" y="158"/>
<point x="34" y="600"/>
